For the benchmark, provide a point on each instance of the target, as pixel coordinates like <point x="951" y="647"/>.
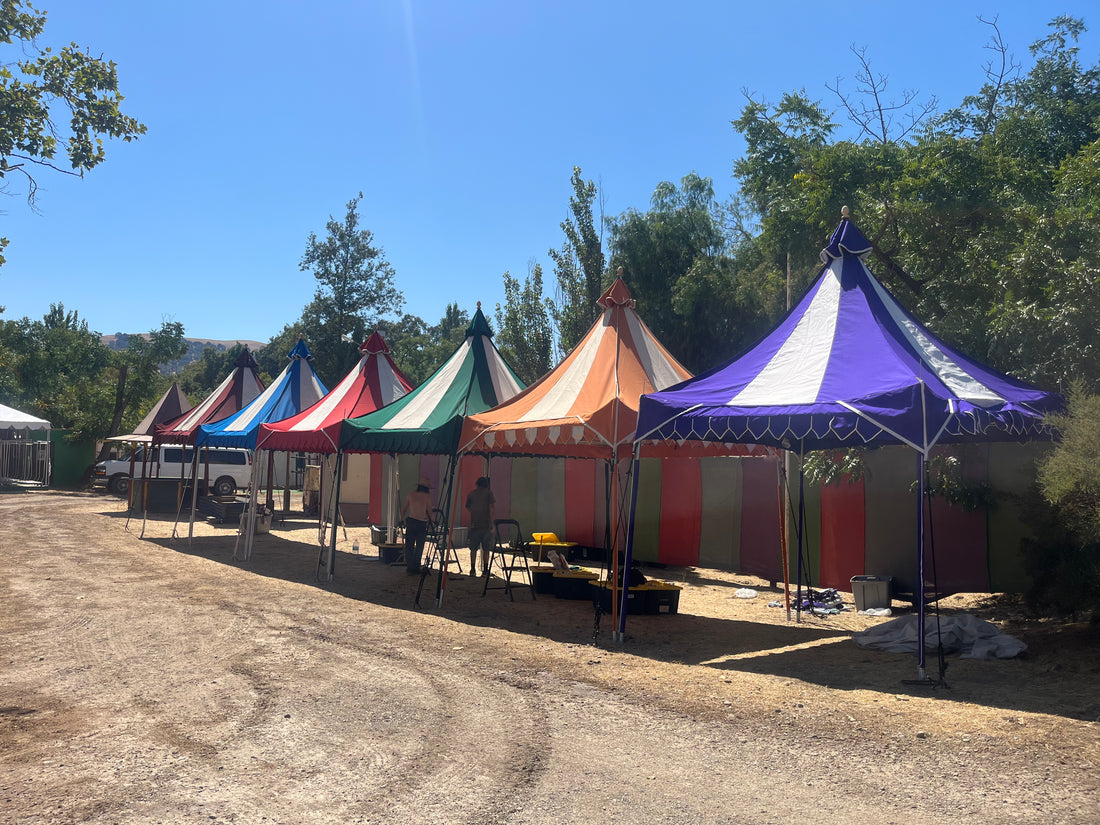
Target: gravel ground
<point x="155" y="680"/>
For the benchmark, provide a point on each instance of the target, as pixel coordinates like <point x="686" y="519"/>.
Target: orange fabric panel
<point x="582" y="497"/>
<point x="681" y="511"/>
<point x="843" y="534"/>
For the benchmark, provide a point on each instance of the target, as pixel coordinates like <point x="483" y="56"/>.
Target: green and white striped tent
<point x="429" y="419"/>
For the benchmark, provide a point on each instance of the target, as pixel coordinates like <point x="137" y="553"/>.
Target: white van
<point x="230" y="467"/>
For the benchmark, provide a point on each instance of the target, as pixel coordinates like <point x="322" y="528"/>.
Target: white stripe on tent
<point x="795" y="372"/>
<point x="423" y="405"/>
<point x="559" y="398"/>
<point x="653" y="360"/>
<point x="505" y="385"/>
<point x="959" y="381"/>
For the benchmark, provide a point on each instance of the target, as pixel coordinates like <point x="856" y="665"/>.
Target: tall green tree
<point x="973" y="218"/>
<point x="524" y="334"/>
<point x="137" y="373"/>
<point x="579" y="266"/>
<point x="38" y="84"/>
<point x="355" y="290"/>
<point x="677" y="260"/>
<point x="58" y="367"/>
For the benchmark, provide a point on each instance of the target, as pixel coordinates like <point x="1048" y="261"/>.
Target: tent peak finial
<point x="479" y="304"/>
<point x="619" y="273"/>
<point x="844" y="212"/>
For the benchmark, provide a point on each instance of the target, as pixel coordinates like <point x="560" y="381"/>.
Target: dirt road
<point x="156" y="681"/>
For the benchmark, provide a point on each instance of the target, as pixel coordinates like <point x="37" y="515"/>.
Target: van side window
<point x="235" y="457"/>
<point x="171" y="455"/>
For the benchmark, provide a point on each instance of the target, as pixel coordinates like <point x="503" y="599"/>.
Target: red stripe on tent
<point x="500" y="475"/>
<point x="470" y="469"/>
<point x="960" y="545"/>
<point x="843" y="539"/>
<point x="582" y="498"/>
<point x="760" y="549"/>
<point x="681" y="492"/>
<point x="374" y="497"/>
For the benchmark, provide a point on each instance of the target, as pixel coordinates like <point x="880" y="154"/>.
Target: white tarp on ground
<point x="974" y="638"/>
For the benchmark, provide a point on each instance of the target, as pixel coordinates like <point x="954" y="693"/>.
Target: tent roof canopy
<point x="848" y="366"/>
<point x="587" y="406"/>
<point x="171" y="405"/>
<point x="428" y="420"/>
<point x="238" y="389"/>
<point x="11" y="418"/>
<point x="372" y="383"/>
<point x="295" y="388"/>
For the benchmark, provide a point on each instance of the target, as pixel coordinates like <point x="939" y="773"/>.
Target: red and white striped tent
<point x="371" y="384"/>
<point x="238" y="389"/>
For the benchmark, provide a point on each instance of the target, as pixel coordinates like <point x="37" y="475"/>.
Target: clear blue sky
<point x="460" y="122"/>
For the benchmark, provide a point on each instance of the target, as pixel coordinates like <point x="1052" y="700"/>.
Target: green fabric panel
<point x="524" y="495"/>
<point x="892" y="516"/>
<point x="811" y="540"/>
<point x="720" y="527"/>
<point x="408" y="474"/>
<point x="551" y="498"/>
<point x="647" y="512"/>
<point x="1011" y="472"/>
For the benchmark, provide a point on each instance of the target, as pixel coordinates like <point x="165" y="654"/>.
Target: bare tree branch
<point x="874" y="114"/>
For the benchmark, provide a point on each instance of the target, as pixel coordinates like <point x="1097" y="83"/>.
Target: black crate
<point x="662" y="600"/>
<point x="635" y="600"/>
<point x="572" y="587"/>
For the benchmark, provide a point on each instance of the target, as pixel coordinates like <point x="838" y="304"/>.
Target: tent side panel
<point x="1011" y="472"/>
<point x="843" y="542"/>
<point x="647" y="513"/>
<point x="470" y="469"/>
<point x="891" y="532"/>
<point x="760" y="547"/>
<point x="551" y="498"/>
<point x="376" y="497"/>
<point x="583" y="497"/>
<point x="430" y="468"/>
<point x="681" y="494"/>
<point x="722" y="511"/>
<point x="960" y="539"/>
<point x="500" y="482"/>
<point x="812" y="538"/>
<point x="525" y="494"/>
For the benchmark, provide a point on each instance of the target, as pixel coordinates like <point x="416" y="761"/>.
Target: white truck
<point x="230" y="467"/>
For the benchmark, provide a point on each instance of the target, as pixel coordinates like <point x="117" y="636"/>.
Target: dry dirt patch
<point x="153" y="679"/>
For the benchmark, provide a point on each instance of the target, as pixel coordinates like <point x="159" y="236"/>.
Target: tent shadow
<point x="806" y="651"/>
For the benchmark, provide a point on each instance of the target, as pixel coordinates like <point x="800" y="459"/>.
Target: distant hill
<point x="195" y="346"/>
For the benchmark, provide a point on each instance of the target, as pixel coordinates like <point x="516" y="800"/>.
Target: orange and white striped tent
<point x="586" y="407"/>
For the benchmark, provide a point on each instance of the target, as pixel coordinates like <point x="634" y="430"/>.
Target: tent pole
<point x="920" y="567"/>
<point x="781" y="472"/>
<point x="194" y="499"/>
<point x="635" y="464"/>
<point x="331" y="567"/>
<point x="801" y="525"/>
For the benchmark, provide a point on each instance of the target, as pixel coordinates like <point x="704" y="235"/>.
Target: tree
<point x="579" y="266"/>
<point x="35" y="88"/>
<point x="675" y="259"/>
<point x="200" y="378"/>
<point x="58" y="368"/>
<point x="355" y="289"/>
<point x="524" y="334"/>
<point x="137" y="372"/>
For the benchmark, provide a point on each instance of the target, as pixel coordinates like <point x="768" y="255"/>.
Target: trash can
<point x="871" y="591"/>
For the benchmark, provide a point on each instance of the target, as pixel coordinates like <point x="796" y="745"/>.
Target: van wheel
<point x="225" y="486"/>
<point x="119" y="484"/>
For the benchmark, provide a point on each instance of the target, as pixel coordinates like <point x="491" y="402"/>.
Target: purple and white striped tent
<point x="850" y="367"/>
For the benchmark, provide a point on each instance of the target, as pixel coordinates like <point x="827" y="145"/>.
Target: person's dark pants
<point x="416" y="532"/>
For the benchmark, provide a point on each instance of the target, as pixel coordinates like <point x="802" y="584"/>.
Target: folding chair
<point x="509" y="557"/>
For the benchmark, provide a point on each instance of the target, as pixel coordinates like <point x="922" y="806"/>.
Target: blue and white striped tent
<point x="296" y="388"/>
